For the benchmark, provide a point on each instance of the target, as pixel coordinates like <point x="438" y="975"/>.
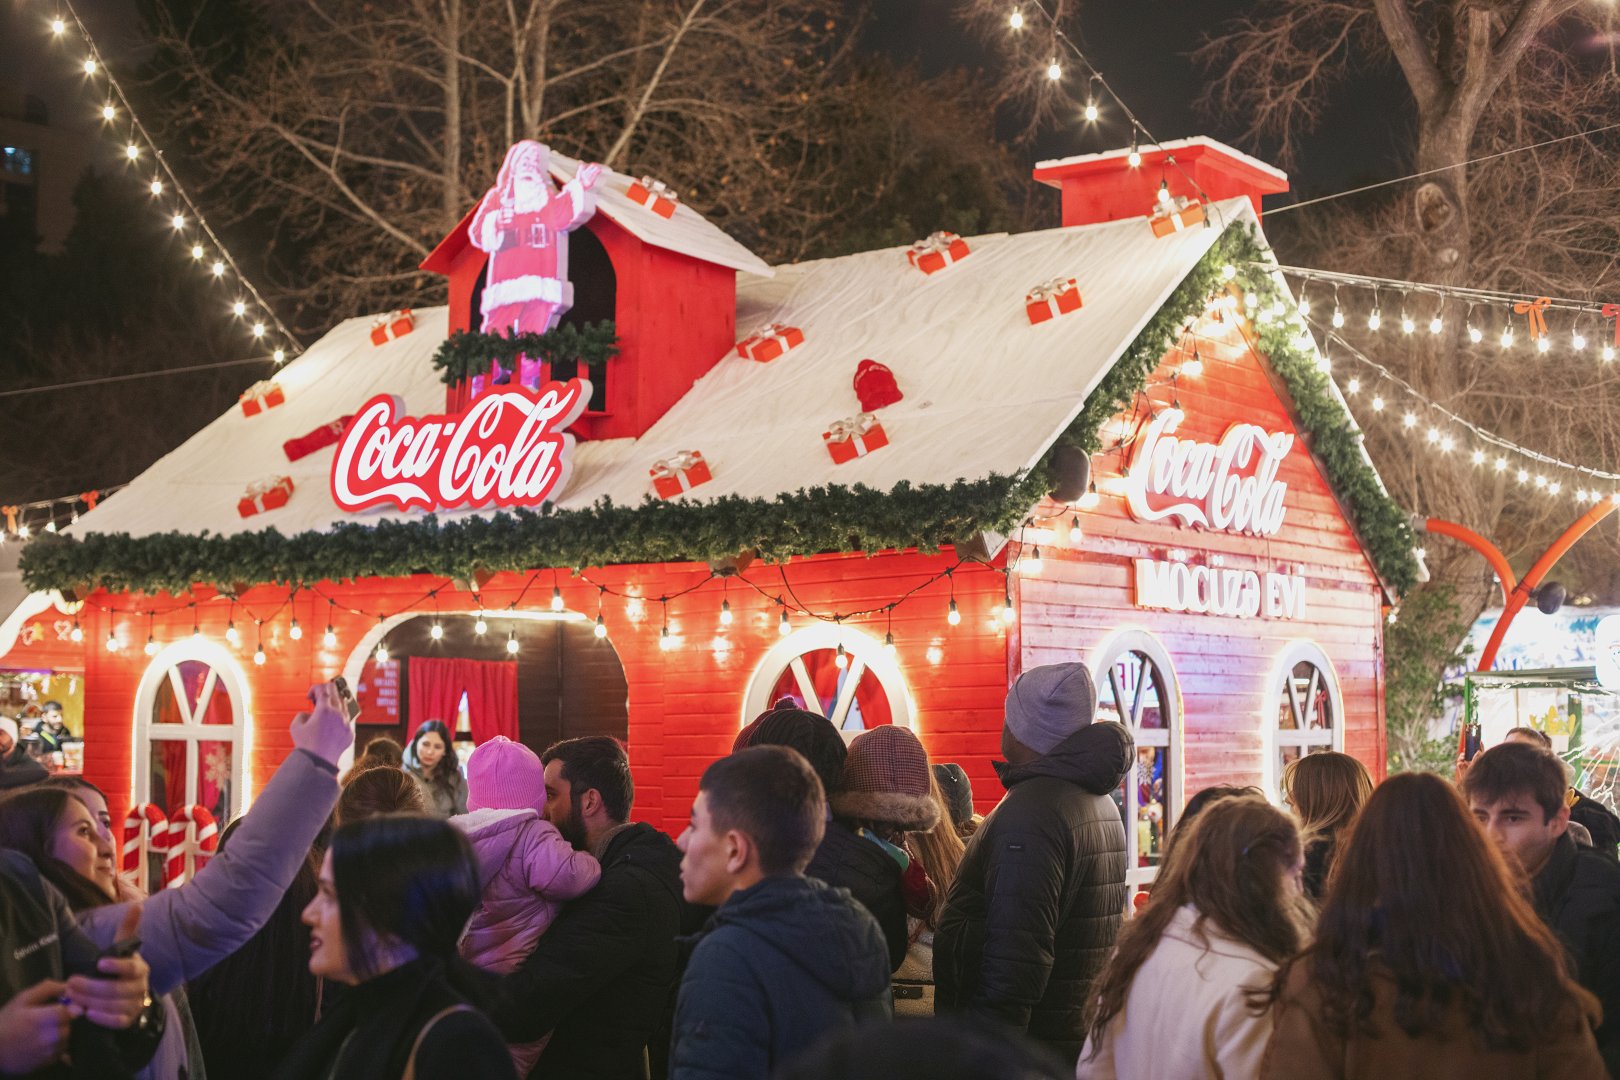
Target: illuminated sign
<point x="510" y="448"/>
<point x="1231" y="485"/>
<point x="1215" y="590"/>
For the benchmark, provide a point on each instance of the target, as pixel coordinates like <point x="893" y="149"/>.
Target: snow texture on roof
<point x="985" y="391"/>
<point x="687" y="232"/>
<point x="1202" y="141"/>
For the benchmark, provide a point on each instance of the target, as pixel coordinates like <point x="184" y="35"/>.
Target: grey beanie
<point x="1048" y="704"/>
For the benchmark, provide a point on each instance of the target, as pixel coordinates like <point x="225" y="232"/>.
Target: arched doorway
<point x="568" y="683"/>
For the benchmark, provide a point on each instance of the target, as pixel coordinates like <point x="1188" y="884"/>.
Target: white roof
<point x="1170" y="147"/>
<point x="687" y="232"/>
<point x="985" y="391"/>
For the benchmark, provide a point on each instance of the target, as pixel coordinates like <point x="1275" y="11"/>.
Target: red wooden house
<point x="1225" y="573"/>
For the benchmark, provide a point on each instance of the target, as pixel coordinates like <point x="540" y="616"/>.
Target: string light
<point x="89" y="66"/>
<point x="1577" y="340"/>
<point x="725" y="613"/>
<point x="888" y="645"/>
<point x="1543" y="344"/>
<point x="1033" y="564"/>
<point x="1353" y="387"/>
<point x="1075" y="535"/>
<point x="258" y="656"/>
<point x="952" y="615"/>
<point x="783" y="627"/>
<point x="178" y="221"/>
<point x="1375" y="319"/>
<point x="1408" y="421"/>
<point x="112" y="642"/>
<point x="258" y="329"/>
<point x="480" y="625"/>
<point x="238" y="308"/>
<point x="1608" y="354"/>
<point x="295" y="631"/>
<point x="665" y="643"/>
<point x="841" y="658"/>
<point x="76" y="635"/>
<point x="1134" y="160"/>
<point x="1164" y="193"/>
<point x="600" y="630"/>
<point x="132" y="152"/>
<point x="382" y="652"/>
<point x="218" y="269"/>
<point x="151" y="646"/>
<point x="1506" y="340"/>
<point x="556" y="599"/>
<point x="156" y="187"/>
<point x="196" y="251"/>
<point x="1090" y="500"/>
<point x="436" y="631"/>
<point x="1016" y="19"/>
<point x="512" y="641"/>
<point x="279" y="355"/>
<point x="232" y="634"/>
<point x="109" y="113"/>
<point x="58" y="26"/>
<point x="1054" y="70"/>
<point x="1436" y="324"/>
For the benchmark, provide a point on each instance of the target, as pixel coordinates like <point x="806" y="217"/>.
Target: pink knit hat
<point x="505" y="775"/>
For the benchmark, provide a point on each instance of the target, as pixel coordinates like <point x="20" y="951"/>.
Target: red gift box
<point x="261" y="396"/>
<point x="655" y="195"/>
<point x="1052" y="298"/>
<point x="855" y="437"/>
<point x="679" y="474"/>
<point x="265" y="495"/>
<point x="1181" y="216"/>
<point x="396" y="324"/>
<point x="938" y="251"/>
<point x="323" y="436"/>
<point x="770" y="342"/>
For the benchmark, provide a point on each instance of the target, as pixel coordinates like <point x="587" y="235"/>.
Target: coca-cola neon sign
<point x="508" y="449"/>
<point x="1231" y="485"/>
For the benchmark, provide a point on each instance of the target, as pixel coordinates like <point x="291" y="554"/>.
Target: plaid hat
<point x="505" y="775"/>
<point x="886" y="781"/>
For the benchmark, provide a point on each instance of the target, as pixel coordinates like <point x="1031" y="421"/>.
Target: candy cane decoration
<point x="192" y="831"/>
<point x="146" y="829"/>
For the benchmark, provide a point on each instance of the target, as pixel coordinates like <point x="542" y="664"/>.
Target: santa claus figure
<point x="523" y="222"/>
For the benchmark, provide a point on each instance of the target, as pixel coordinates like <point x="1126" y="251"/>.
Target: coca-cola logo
<point x="508" y="449"/>
<point x="1231" y="485"/>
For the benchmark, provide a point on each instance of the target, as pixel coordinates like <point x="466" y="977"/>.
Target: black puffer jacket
<point x="1040" y="893"/>
<point x="1578" y="894"/>
<point x="872" y="877"/>
<point x="1600" y="822"/>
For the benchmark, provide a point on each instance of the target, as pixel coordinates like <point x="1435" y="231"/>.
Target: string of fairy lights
<point x="185" y="219"/>
<point x="21" y="520"/>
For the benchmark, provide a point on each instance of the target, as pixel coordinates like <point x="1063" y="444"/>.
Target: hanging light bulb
<point x="1134" y="159"/>
<point x="1407" y="324"/>
<point x="279" y="356"/>
<point x="1500" y="464"/>
<point x="295" y="631"/>
<point x="1016" y="19"/>
<point x="1194" y="365"/>
<point x="58" y="26"/>
<point x="556" y="599"/>
<point x="1375" y="319"/>
<point x="888" y="645"/>
<point x="1477" y="457"/>
<point x="155" y="187"/>
<point x="512" y="641"/>
<point x="218" y="269"/>
<point x="382" y="652"/>
<point x="1033" y="564"/>
<point x="480" y="626"/>
<point x="1506" y="339"/>
<point x="600" y="629"/>
<point x="1090" y="499"/>
<point x="112" y="642"/>
<point x="436" y="631"/>
<point x="258" y="329"/>
<point x="131" y="151"/>
<point x="1543" y="344"/>
<point x="1228" y="272"/>
<point x="196" y="251"/>
<point x="1075" y="535"/>
<point x="1577" y="340"/>
<point x="89" y="66"/>
<point x="109" y="113"/>
<point x="952" y="615"/>
<point x="1353" y="387"/>
<point x="841" y="658"/>
<point x="232" y="635"/>
<point x="1338" y="317"/>
<point x="1091" y="112"/>
<point x="783" y="627"/>
<point x="1436" y="324"/>
<point x="664" y="641"/>
<point x="725" y="613"/>
<point x="1475" y="334"/>
<point x="1447" y="444"/>
<point x="196" y="632"/>
<point x="258" y="656"/>
<point x="77" y="633"/>
<point x="1409" y="421"/>
<point x="178" y="221"/>
<point x="238" y="308"/>
<point x="151" y="647"/>
<point x="1433" y="434"/>
<point x="1608" y="354"/>
<point x="1007" y="612"/>
<point x="1524" y="475"/>
<point x="1164" y="192"/>
<point x="329" y="639"/>
<point x="1554" y="487"/>
<point x="1304" y="305"/>
<point x="1054" y="70"/>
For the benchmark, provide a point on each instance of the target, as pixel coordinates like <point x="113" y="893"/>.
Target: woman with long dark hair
<point x="432" y="760"/>
<point x="394" y="894"/>
<point x="1176" y="996"/>
<point x="1327" y="790"/>
<point x="1428" y="960"/>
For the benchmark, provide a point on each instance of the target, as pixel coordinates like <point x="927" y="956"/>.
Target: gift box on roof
<point x="1050" y="299"/>
<point x="770" y="342"/>
<point x="1181" y="215"/>
<point x="937" y="251"/>
<point x="323" y="436"/>
<point x="679" y="473"/>
<point x="395" y="324"/>
<point x="265" y="495"/>
<point x="854" y="437"/>
<point x="655" y="195"/>
<point x="262" y="395"/>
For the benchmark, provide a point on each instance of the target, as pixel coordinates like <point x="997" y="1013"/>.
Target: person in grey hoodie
<point x="786" y="959"/>
<point x="1041" y="890"/>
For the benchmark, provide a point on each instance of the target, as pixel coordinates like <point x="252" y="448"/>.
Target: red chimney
<point x="1107" y="187"/>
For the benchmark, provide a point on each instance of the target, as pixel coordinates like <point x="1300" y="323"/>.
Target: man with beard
<point x="599" y="979"/>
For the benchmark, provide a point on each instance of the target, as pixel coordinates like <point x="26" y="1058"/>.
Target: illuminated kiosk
<point x="1200" y="527"/>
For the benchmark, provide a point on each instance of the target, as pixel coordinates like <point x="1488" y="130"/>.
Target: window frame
<point x="1279" y="685"/>
<point x="229" y="679"/>
<point x="863" y="649"/>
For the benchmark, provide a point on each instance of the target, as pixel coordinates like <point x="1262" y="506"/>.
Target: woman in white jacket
<point x="1174" y="1002"/>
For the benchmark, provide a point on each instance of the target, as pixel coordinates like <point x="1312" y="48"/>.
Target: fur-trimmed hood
<point x="914" y="813"/>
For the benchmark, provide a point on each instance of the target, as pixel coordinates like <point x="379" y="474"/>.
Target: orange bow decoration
<point x="90" y="498"/>
<point x="1532" y="309"/>
<point x="11" y="517"/>
<point x="1609" y="312"/>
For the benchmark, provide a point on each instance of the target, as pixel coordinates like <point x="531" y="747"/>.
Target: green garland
<point x="810" y="521"/>
<point x="465" y="354"/>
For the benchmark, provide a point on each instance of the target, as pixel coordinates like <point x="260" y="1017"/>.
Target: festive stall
<point x="634" y="481"/>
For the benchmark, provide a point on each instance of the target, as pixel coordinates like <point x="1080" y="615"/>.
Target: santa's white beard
<point x="529" y="196"/>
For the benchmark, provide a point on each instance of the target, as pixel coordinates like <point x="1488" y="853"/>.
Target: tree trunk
<point x="452" y="207"/>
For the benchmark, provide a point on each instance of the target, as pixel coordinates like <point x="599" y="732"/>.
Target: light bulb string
<point x="1461" y="293"/>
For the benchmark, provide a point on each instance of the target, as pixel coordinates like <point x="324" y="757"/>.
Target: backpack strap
<point x="421" y="1037"/>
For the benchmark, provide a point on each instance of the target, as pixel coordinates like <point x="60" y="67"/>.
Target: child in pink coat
<point x="525" y="868"/>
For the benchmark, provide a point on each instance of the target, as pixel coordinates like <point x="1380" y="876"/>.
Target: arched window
<point x="1136" y="686"/>
<point x="190" y="722"/>
<point x="863" y="691"/>
<point x="1305" y="711"/>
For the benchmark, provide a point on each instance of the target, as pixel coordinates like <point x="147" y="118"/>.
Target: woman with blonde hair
<point x="1177" y="997"/>
<point x="1327" y="790"/>
<point x="939" y="850"/>
<point x="378" y="791"/>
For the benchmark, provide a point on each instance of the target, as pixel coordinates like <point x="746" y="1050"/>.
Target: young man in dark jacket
<point x="1517" y="792"/>
<point x="1598" y="820"/>
<point x="785" y="959"/>
<point x="1041" y="890"/>
<point x="600" y="977"/>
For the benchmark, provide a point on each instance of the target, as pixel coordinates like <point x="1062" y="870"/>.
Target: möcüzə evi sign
<point x="509" y="448"/>
<point x="1231" y="486"/>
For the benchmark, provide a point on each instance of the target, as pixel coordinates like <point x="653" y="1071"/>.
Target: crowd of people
<point x="831" y="909"/>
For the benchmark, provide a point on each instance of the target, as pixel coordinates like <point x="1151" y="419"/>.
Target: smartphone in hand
<point x="351" y="707"/>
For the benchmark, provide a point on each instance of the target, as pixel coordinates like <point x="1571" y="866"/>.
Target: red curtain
<point x="436" y="686"/>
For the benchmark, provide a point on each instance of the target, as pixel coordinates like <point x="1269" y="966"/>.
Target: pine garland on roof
<point x="807" y="522"/>
<point x="464" y="354"/>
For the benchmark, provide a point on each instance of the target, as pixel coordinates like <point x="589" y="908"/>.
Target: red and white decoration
<point x="193" y="839"/>
<point x="854" y="437"/>
<point x="311" y="441"/>
<point x="265" y="495"/>
<point x="655" y="195"/>
<point x="1231" y="486"/>
<point x="680" y="473"/>
<point x="875" y="386"/>
<point x="937" y="251"/>
<point x="146" y="829"/>
<point x="771" y="341"/>
<point x="1181" y="215"/>
<point x="395" y="324"/>
<point x="262" y="395"/>
<point x="1048" y="300"/>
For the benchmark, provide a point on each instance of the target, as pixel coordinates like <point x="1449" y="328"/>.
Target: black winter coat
<point x="1578" y="894"/>
<point x="1600" y="821"/>
<point x="846" y="861"/>
<point x="600" y="977"/>
<point x="1040" y="893"/>
<point x="18" y="769"/>
<point x="779" y="965"/>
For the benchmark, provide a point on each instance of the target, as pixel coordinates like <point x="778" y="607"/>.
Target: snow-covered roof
<point x="985" y="391"/>
<point x="1201" y="143"/>
<point x="687" y="232"/>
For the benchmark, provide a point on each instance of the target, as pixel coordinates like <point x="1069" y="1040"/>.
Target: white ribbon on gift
<point x="257" y="490"/>
<point x="939" y="242"/>
<point x="659" y="189"/>
<point x="261" y="389"/>
<point x="675" y="467"/>
<point x="391" y="318"/>
<point x="852" y="427"/>
<point x="768" y="332"/>
<point x="1049" y="290"/>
